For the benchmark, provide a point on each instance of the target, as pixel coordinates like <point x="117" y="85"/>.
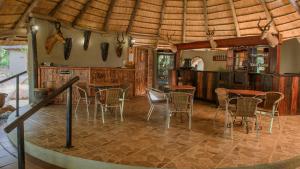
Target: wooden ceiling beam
<point x="268" y="14"/>
<point x="57" y="7"/>
<point x="82" y="11"/>
<point x="205" y="15"/>
<point x="108" y="15"/>
<point x="184" y="20"/>
<point x="25" y="15"/>
<point x="13" y="33"/>
<point x="236" y="24"/>
<point x="295" y="5"/>
<point x="162" y="13"/>
<point x="133" y="14"/>
<point x="224" y="43"/>
<point x="1" y="3"/>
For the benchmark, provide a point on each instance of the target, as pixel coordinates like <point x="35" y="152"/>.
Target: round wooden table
<point x="246" y="92"/>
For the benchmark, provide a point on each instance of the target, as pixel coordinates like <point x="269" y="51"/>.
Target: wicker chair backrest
<point x="246" y="106"/>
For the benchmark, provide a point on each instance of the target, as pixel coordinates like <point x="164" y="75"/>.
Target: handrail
<point x="20" y="120"/>
<point x="11" y="77"/>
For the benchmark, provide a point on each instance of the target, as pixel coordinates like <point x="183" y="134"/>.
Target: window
<point x="198" y="63"/>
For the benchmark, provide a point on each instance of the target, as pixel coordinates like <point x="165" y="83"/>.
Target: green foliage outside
<point x="4" y="60"/>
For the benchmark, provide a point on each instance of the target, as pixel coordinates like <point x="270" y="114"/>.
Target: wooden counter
<point x="207" y="81"/>
<point x="60" y="75"/>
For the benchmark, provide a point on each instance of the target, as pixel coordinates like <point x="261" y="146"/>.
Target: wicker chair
<point x="155" y="98"/>
<point x="109" y="98"/>
<point x="180" y="102"/>
<point x="82" y="95"/>
<point x="246" y="108"/>
<point x="270" y="107"/>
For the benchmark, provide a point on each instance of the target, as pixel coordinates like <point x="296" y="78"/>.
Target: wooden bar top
<point x="78" y="67"/>
<point x="247" y="92"/>
<point x="104" y="84"/>
<point x="182" y="87"/>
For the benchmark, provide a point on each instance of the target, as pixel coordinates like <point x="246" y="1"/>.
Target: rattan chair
<point x="109" y="99"/>
<point x="82" y="95"/>
<point x="246" y="108"/>
<point x="270" y="107"/>
<point x="180" y="102"/>
<point x="155" y="98"/>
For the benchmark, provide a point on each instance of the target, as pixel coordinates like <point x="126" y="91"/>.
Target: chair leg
<point x="216" y="114"/>
<point x="95" y="111"/>
<point x="190" y="120"/>
<point x="278" y="116"/>
<point x="77" y="108"/>
<point x="168" y="119"/>
<point x="271" y="124"/>
<point x="87" y="109"/>
<point x="257" y="126"/>
<point x="121" y="113"/>
<point x="102" y="114"/>
<point x="150" y="112"/>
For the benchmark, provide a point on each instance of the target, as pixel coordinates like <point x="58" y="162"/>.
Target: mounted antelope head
<point x="52" y="39"/>
<point x="120" y="43"/>
<point x="267" y="34"/>
<point x="172" y="47"/>
<point x="210" y="34"/>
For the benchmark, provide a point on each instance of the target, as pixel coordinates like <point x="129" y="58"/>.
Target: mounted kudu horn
<point x="267" y="34"/>
<point x="52" y="39"/>
<point x="210" y="34"/>
<point x="172" y="47"/>
<point x="87" y="36"/>
<point x="120" y="43"/>
<point x="67" y="48"/>
<point x="104" y="50"/>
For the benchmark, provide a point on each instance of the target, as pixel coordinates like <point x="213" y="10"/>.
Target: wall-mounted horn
<point x="104" y="50"/>
<point x="87" y="36"/>
<point x="67" y="48"/>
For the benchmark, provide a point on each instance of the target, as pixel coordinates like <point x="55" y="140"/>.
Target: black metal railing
<point x="19" y="121"/>
<point x="17" y="76"/>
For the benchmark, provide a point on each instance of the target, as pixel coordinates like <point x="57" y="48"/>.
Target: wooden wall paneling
<point x="298" y="99"/>
<point x="210" y="81"/>
<point x="141" y="55"/>
<point x="199" y="85"/>
<point x="204" y="86"/>
<point x="281" y="85"/>
<point x="295" y="95"/>
<point x="288" y="94"/>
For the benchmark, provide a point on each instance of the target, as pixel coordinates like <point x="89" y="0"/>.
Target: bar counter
<point x="58" y="75"/>
<point x="207" y="81"/>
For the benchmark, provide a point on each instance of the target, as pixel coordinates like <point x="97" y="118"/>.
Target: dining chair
<point x="124" y="94"/>
<point x="246" y="108"/>
<point x="179" y="102"/>
<point x="82" y="95"/>
<point x="270" y="107"/>
<point x="155" y="98"/>
<point x="107" y="99"/>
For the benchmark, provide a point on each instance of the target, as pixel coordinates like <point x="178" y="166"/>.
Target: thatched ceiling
<point x="149" y="20"/>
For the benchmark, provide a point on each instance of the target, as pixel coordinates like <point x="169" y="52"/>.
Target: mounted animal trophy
<point x="166" y="43"/>
<point x="104" y="50"/>
<point x="53" y="39"/>
<point x="67" y="48"/>
<point x="120" y="44"/>
<point x="267" y="34"/>
<point x="87" y="36"/>
<point x="210" y="34"/>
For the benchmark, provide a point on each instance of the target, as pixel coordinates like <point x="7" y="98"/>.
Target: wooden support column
<point x="34" y="56"/>
<point x="162" y="13"/>
<point x="177" y="59"/>
<point x="57" y="7"/>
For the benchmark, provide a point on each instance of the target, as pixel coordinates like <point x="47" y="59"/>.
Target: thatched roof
<point x="150" y="20"/>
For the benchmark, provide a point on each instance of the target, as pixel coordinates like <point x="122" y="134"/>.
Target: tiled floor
<point x="8" y="155"/>
<point x="141" y="143"/>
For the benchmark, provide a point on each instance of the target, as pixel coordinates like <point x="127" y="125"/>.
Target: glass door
<point x="165" y="62"/>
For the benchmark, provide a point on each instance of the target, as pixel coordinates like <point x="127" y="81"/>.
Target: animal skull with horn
<point x="267" y="34"/>
<point x="210" y="35"/>
<point x="120" y="43"/>
<point x="52" y="39"/>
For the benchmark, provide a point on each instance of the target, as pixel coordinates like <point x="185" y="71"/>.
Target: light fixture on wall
<point x="34" y="28"/>
<point x="131" y="41"/>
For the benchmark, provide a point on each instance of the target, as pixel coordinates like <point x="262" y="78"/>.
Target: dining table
<point x="103" y="85"/>
<point x="246" y="92"/>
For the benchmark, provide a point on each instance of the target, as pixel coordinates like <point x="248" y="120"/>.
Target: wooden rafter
<point x="108" y="15"/>
<point x="295" y="5"/>
<point x="236" y="24"/>
<point x="25" y="15"/>
<point x="162" y="13"/>
<point x="133" y="14"/>
<point x="82" y="11"/>
<point x="205" y="15"/>
<point x="57" y="7"/>
<point x="1" y="3"/>
<point x="13" y="33"/>
<point x="268" y="14"/>
<point x="184" y="20"/>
